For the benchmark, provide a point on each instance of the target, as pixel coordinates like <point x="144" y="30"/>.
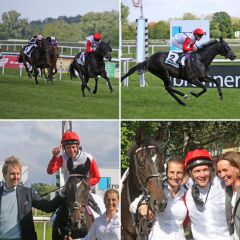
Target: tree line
<point x="221" y="25"/>
<point x="179" y="137"/>
<point x="71" y="29"/>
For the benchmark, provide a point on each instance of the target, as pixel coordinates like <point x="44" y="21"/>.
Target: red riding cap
<point x="198" y="31"/>
<point x="97" y="36"/>
<point x="70" y="138"/>
<point x="196" y="158"/>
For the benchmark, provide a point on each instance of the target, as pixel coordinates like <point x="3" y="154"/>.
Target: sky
<point x="156" y="10"/>
<point x="35" y="10"/>
<point x="33" y="141"/>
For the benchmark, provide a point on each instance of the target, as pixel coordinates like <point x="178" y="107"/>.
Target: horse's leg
<point x="168" y="86"/>
<point x="96" y="85"/>
<point x="26" y="67"/>
<point x="209" y="79"/>
<point x="35" y="73"/>
<point x="50" y="74"/>
<point x="104" y="75"/>
<point x="198" y="83"/>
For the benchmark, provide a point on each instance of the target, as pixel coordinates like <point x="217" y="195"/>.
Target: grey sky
<point x="35" y="10"/>
<point x="33" y="141"/>
<point x="156" y="10"/>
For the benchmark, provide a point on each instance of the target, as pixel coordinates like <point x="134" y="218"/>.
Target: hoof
<point x="186" y="97"/>
<point x="94" y="92"/>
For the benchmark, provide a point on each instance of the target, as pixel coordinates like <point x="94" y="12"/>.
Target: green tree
<point x="124" y="14"/>
<point x="42" y="188"/>
<point x="107" y="23"/>
<point x="160" y="30"/>
<point x="221" y="21"/>
<point x="189" y="16"/>
<point x="236" y="24"/>
<point x="13" y="26"/>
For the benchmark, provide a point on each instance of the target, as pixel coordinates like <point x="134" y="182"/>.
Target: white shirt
<point x="169" y="223"/>
<point x="180" y="38"/>
<point x="80" y="159"/>
<point x="102" y="229"/>
<point x="210" y="223"/>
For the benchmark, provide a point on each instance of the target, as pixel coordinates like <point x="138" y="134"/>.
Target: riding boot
<point x="180" y="56"/>
<point x="92" y="203"/>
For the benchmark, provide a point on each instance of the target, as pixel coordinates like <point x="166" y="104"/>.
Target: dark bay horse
<point x="195" y="70"/>
<point x="73" y="218"/>
<point x="146" y="176"/>
<point x="44" y="56"/>
<point x="93" y="67"/>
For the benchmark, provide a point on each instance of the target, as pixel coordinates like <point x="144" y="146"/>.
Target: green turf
<point x="22" y="99"/>
<point x="39" y="230"/>
<point x="153" y="102"/>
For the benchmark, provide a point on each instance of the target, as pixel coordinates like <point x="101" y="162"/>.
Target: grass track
<point x="154" y="102"/>
<point x="22" y="99"/>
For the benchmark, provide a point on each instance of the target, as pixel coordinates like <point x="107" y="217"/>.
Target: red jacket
<point x="89" y="47"/>
<point x="188" y="45"/>
<point x="58" y="162"/>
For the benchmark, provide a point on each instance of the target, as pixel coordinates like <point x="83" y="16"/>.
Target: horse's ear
<point x="108" y="42"/>
<point x="221" y="39"/>
<point x="87" y="165"/>
<point x="159" y="136"/>
<point x="139" y="136"/>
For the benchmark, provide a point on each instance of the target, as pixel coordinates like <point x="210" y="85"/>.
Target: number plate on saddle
<point x="172" y="59"/>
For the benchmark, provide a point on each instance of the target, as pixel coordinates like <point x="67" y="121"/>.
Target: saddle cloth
<point x="172" y="59"/>
<point x="81" y="58"/>
<point x="28" y="50"/>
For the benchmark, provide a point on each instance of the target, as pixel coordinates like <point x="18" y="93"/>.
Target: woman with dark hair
<point x="228" y="170"/>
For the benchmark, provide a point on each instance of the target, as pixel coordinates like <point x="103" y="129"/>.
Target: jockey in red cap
<point x="91" y="43"/>
<point x="205" y="199"/>
<point x="187" y="43"/>
<point x="71" y="160"/>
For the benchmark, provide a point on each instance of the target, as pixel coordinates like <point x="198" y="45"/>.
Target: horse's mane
<point x="206" y="45"/>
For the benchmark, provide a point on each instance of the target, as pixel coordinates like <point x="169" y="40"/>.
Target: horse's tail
<point x="140" y="67"/>
<point x="71" y="70"/>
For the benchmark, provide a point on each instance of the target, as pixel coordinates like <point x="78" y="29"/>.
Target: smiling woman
<point x="228" y="169"/>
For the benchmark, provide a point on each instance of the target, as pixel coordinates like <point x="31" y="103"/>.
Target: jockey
<point x="187" y="43"/>
<point x="205" y="199"/>
<point x="33" y="42"/>
<point x="91" y="43"/>
<point x="53" y="41"/>
<point x="71" y="160"/>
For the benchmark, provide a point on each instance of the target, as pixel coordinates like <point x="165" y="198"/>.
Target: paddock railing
<point x="43" y="220"/>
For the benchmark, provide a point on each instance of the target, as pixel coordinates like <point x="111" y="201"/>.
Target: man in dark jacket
<point x="16" y="202"/>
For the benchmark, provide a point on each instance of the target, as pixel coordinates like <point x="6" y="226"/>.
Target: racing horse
<point x="145" y="176"/>
<point x="93" y="67"/>
<point x="73" y="218"/>
<point x="195" y="70"/>
<point x="42" y="56"/>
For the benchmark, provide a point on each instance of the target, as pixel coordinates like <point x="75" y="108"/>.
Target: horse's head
<point x="105" y="50"/>
<point x="226" y="51"/>
<point x="148" y="168"/>
<point x="77" y="193"/>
